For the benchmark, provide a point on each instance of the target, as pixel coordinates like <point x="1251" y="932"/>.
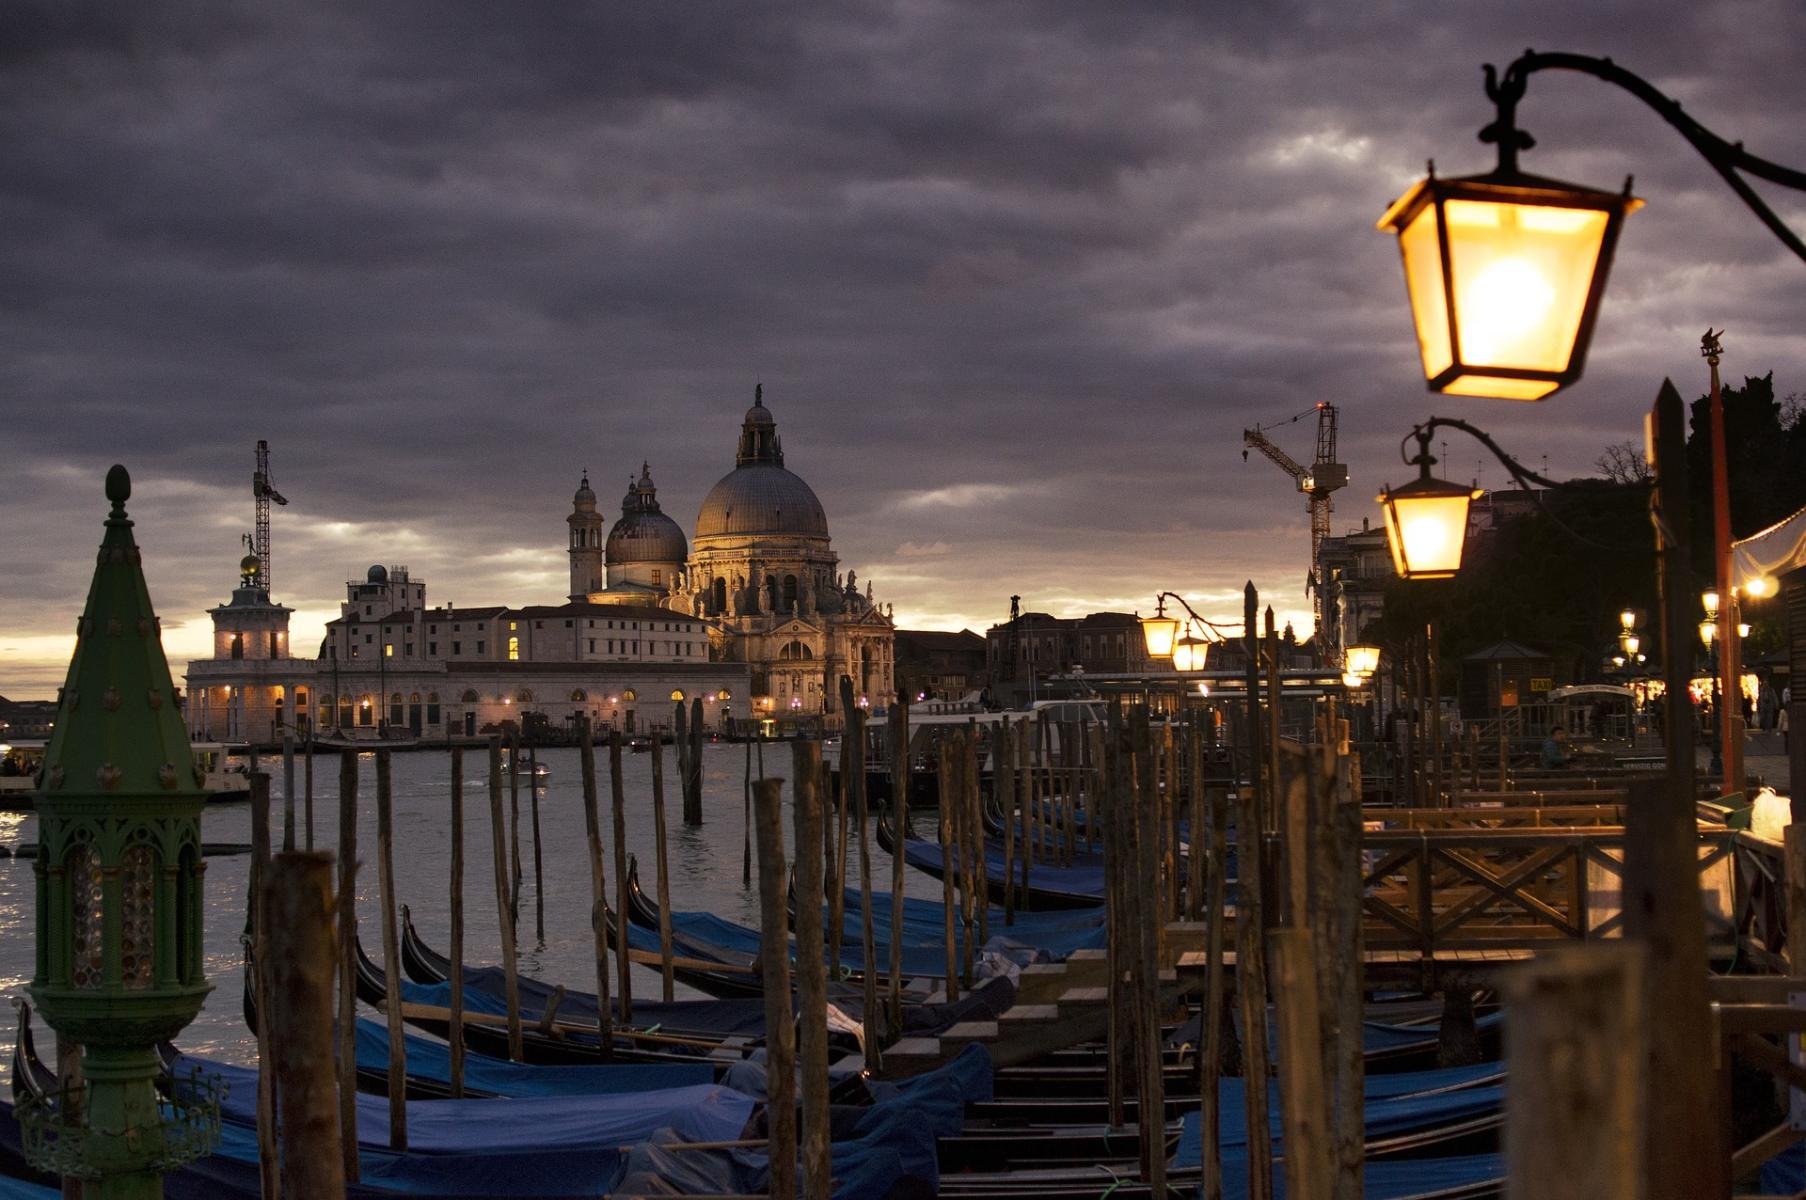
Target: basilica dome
<point x="761" y="499"/>
<point x="644" y="534"/>
<point x="759" y="496"/>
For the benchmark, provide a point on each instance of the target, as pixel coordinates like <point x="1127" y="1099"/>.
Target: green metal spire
<point x="119" y="730"/>
<point x="119" y="891"/>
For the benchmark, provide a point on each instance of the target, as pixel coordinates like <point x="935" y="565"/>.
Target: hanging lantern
<point x="1190" y="652"/>
<point x="1353" y="679"/>
<point x="1708" y="631"/>
<point x="1159" y="631"/>
<point x="1630" y="642"/>
<point x="1362" y="660"/>
<point x="1505" y="272"/>
<point x="1426" y="525"/>
<point x="1709" y="600"/>
<point x="1627" y="620"/>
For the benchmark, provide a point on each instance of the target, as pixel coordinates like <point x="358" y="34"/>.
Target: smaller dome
<point x="644" y="534"/>
<point x="585" y="494"/>
<point x="249" y="565"/>
<point x="377" y="574"/>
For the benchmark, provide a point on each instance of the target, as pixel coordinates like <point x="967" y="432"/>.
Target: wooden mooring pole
<point x="618" y="798"/>
<point x="774" y="963"/>
<point x="514" y="828"/>
<point x="899" y="812"/>
<point x="297" y="895"/>
<point x="660" y="856"/>
<point x="385" y="883"/>
<point x="456" y="996"/>
<point x="288" y="789"/>
<point x="1576" y="1049"/>
<point x="347" y="963"/>
<point x="811" y="979"/>
<point x="504" y="911"/>
<point x="598" y="883"/>
<point x="268" y="1166"/>
<point x="852" y="748"/>
<point x="539" y="864"/>
<point x="949" y="933"/>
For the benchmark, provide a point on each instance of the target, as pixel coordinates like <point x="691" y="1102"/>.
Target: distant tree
<point x="1624" y="462"/>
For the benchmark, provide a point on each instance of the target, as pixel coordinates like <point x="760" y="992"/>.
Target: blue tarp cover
<point x="1386" y="1116"/>
<point x="706" y="1113"/>
<point x="485" y="989"/>
<point x="430" y="1059"/>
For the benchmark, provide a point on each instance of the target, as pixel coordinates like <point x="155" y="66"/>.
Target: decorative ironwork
<point x="187" y="1128"/>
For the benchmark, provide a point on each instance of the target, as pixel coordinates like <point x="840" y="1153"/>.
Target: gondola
<point x="643" y="915"/>
<point x="556" y="1046"/>
<point x="1081" y="890"/>
<point x="737" y="1017"/>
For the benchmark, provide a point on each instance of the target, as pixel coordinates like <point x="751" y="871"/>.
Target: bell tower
<point x="586" y="542"/>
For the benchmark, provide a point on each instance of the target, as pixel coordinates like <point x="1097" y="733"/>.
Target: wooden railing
<point x="1444" y="890"/>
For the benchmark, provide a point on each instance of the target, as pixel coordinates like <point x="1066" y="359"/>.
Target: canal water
<point x="705" y="865"/>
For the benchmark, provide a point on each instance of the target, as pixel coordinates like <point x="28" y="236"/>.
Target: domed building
<point x="760" y="570"/>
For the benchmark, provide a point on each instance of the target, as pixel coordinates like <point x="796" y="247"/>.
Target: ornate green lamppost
<point x="119" y="890"/>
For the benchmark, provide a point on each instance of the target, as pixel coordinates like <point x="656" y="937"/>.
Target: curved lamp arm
<point x="1160" y="599"/>
<point x="1523" y="475"/>
<point x="1727" y="158"/>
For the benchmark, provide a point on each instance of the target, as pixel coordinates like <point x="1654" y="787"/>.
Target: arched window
<point x="578" y="696"/>
<point x="629" y="694"/>
<point x="470" y="696"/>
<point x="238" y="645"/>
<point x="724" y="694"/>
<point x="413" y="697"/>
<point x="795" y="650"/>
<point x="677" y="693"/>
<point x="718" y="595"/>
<point x="525" y="695"/>
<point x="789" y="591"/>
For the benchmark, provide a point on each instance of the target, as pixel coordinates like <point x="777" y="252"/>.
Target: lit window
<point x="511" y="625"/>
<point x="388" y="649"/>
<point x="677" y="693"/>
<point x="630" y="694"/>
<point x="513" y="646"/>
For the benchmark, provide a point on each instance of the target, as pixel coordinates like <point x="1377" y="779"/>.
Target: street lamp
<point x="1159" y="630"/>
<point x="1505" y="271"/>
<point x="1362" y="660"/>
<point x="1627" y="620"/>
<point x="1708" y="632"/>
<point x="1426" y="520"/>
<point x="1630" y="642"/>
<point x="1709" y="600"/>
<point x="1190" y="651"/>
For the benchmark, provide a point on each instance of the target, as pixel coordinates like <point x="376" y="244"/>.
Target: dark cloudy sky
<point x="1015" y="276"/>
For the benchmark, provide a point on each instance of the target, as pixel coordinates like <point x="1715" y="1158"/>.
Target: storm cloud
<point x="1015" y="277"/>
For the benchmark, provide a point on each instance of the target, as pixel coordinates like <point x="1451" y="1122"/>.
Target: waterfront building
<point x="752" y="615"/>
<point x="389" y="665"/>
<point x="934" y="664"/>
<point x="1357" y="568"/>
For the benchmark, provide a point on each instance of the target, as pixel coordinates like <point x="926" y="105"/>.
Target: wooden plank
<point x="1575" y="1057"/>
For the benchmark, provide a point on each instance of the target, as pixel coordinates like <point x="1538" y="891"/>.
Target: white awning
<point x="1776" y="550"/>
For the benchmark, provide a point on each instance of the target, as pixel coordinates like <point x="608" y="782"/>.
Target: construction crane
<point x="264" y="492"/>
<point x="1318" y="482"/>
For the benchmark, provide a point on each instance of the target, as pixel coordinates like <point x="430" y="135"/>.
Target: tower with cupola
<point x="586" y="542"/>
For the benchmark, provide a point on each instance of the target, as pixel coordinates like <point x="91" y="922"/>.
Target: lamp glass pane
<point x="1521" y="273"/>
<point x="1499" y="387"/>
<point x="1189" y="654"/>
<point x="1431" y="530"/>
<point x="1363" y="660"/>
<point x="1417" y="242"/>
<point x="1159" y="633"/>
